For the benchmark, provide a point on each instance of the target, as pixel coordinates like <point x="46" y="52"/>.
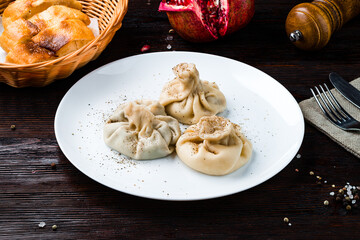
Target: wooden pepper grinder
<point x="310" y="25"/>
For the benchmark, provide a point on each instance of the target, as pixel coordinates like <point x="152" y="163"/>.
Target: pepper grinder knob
<point x="295" y="36"/>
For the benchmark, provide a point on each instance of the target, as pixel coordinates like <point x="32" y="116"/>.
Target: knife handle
<point x="310" y="25"/>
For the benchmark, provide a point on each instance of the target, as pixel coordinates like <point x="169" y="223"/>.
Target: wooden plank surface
<point x="31" y="191"/>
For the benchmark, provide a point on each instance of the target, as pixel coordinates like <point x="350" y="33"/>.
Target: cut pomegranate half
<point x="207" y="20"/>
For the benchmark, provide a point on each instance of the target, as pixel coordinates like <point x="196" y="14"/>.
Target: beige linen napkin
<point x="313" y="114"/>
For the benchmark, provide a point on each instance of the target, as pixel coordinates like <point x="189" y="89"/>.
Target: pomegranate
<point x="207" y="20"/>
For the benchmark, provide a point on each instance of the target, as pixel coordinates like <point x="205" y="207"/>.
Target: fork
<point x="334" y="112"/>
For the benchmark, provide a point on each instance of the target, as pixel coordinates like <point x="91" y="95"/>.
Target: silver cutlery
<point x="333" y="110"/>
<point x="346" y="89"/>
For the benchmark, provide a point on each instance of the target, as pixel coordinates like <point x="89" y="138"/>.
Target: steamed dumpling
<point x="141" y="130"/>
<point x="214" y="146"/>
<point x="187" y="98"/>
<point x="154" y="106"/>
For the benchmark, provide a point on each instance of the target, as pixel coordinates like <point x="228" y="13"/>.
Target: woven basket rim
<point x="117" y="18"/>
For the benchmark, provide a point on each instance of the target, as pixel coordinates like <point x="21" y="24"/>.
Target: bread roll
<point x="27" y="8"/>
<point x="55" y="14"/>
<point x="29" y="52"/>
<point x="18" y="31"/>
<point x="64" y="37"/>
<point x="45" y="29"/>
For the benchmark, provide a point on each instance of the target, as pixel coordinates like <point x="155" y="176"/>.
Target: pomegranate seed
<point x="145" y="48"/>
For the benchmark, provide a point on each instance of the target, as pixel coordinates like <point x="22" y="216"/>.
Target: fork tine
<point x="339" y="115"/>
<point x="333" y="111"/>
<point x="323" y="110"/>
<point x="330" y="112"/>
<point x="344" y="113"/>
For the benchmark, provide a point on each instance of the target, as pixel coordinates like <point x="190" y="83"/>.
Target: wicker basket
<point x="109" y="13"/>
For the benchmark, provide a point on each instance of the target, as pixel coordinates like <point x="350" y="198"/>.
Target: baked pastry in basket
<point x="56" y="41"/>
<point x="43" y="31"/>
<point x="27" y="8"/>
<point x="18" y="31"/>
<point x="55" y="14"/>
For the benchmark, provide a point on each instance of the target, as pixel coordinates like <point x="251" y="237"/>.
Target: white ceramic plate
<point x="269" y="115"/>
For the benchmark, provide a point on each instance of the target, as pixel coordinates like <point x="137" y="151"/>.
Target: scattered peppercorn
<point x="12" y="127"/>
<point x="326" y="202"/>
<point x="53" y="165"/>
<point x="348" y="196"/>
<point x="286" y="220"/>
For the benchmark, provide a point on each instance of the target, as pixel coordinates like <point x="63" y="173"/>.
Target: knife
<point x="346" y="89"/>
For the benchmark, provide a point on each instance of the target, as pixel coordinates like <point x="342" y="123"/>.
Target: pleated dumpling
<point x="141" y="130"/>
<point x="187" y="98"/>
<point x="214" y="146"/>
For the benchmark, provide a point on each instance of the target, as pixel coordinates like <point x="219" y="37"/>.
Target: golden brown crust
<point x="17" y="32"/>
<point x="28" y="8"/>
<point x="57" y="13"/>
<point x="30" y="52"/>
<point x="41" y="32"/>
<point x="64" y="37"/>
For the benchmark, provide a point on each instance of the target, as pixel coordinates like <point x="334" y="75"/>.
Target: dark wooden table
<point x="31" y="191"/>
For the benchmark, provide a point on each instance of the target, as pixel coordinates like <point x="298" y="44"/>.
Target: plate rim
<point x="266" y="178"/>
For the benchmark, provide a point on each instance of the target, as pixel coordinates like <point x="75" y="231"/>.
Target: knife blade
<point x="346" y="89"/>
